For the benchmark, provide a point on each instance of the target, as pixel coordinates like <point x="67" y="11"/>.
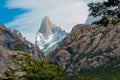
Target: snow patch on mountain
<point x="49" y="35"/>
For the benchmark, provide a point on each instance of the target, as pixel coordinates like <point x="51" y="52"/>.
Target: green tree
<point x="108" y="11"/>
<point x="33" y="69"/>
<point x="18" y="47"/>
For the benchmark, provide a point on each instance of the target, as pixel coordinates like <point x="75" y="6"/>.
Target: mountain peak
<point x="46" y="25"/>
<point x="47" y="18"/>
<point x="49" y="35"/>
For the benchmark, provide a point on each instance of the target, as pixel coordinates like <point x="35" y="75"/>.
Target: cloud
<point x="63" y="13"/>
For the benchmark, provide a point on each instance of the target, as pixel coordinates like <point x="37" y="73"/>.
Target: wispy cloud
<point x="61" y="12"/>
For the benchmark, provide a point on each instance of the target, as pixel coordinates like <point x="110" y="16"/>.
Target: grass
<point x="108" y="73"/>
<point x="101" y="73"/>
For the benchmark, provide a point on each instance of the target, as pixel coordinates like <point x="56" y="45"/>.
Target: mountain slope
<point x="12" y="42"/>
<point x="88" y="47"/>
<point x="49" y="35"/>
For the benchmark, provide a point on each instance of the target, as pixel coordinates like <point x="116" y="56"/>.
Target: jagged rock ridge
<point x="88" y="47"/>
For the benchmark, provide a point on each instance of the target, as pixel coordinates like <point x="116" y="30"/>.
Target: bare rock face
<point x="88" y="47"/>
<point x="12" y="42"/>
<point x="46" y="25"/>
<point x="4" y="59"/>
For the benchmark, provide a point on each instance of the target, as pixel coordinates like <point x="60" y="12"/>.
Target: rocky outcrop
<point x="46" y="25"/>
<point x="12" y="42"/>
<point x="88" y="47"/>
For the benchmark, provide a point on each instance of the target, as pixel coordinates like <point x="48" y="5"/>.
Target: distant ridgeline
<point x="12" y="42"/>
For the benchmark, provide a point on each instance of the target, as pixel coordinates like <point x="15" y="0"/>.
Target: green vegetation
<point x="107" y="10"/>
<point x="94" y="54"/>
<point x="79" y="77"/>
<point x="105" y="32"/>
<point x="108" y="50"/>
<point x="18" y="47"/>
<point x="107" y="73"/>
<point x="32" y="69"/>
<point x="102" y="73"/>
<point x="39" y="69"/>
<point x="0" y="34"/>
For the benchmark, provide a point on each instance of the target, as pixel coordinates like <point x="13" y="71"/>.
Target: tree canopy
<point x="29" y="68"/>
<point x="108" y="11"/>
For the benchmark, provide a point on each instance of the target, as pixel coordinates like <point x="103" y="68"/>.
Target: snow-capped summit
<point x="49" y="35"/>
